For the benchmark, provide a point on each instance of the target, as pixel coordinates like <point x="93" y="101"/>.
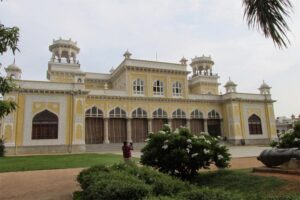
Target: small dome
<point x="13" y="67"/>
<point x="230" y="83"/>
<point x="183" y="61"/>
<point x="264" y="86"/>
<point x="127" y="54"/>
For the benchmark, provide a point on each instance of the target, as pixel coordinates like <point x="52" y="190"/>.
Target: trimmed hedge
<point x="126" y="182"/>
<point x="130" y="182"/>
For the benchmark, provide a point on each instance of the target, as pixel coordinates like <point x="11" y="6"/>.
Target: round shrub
<point x="182" y="154"/>
<point x="102" y="182"/>
<point x="289" y="139"/>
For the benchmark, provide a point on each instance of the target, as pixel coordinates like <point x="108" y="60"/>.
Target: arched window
<point x="158" y="88"/>
<point x="159" y="113"/>
<point x="45" y="125"/>
<point x="117" y="113"/>
<point x="138" y="87"/>
<point x="178" y="114"/>
<point x="177" y="89"/>
<point x="196" y="114"/>
<point x="254" y="125"/>
<point x="94" y="112"/>
<point x="139" y="113"/>
<point x="213" y="115"/>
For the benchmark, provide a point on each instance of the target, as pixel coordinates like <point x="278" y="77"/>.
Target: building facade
<point x="75" y="109"/>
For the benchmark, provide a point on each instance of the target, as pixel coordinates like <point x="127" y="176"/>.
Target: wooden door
<point x="94" y="130"/>
<point x="214" y="127"/>
<point x="139" y="129"/>
<point x="158" y="123"/>
<point x="177" y="123"/>
<point x="197" y="126"/>
<point x="117" y="130"/>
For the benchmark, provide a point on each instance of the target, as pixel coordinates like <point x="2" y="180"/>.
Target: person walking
<point x="126" y="152"/>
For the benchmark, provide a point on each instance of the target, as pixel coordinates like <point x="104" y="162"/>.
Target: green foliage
<point x="182" y="154"/>
<point x="9" y="38"/>
<point x="2" y="147"/>
<point x="268" y="16"/>
<point x="209" y="194"/>
<point x="153" y="185"/>
<point x="289" y="139"/>
<point x="133" y="182"/>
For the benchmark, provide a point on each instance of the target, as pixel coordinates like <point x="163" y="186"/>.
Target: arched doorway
<point x="44" y="126"/>
<point x="214" y="123"/>
<point x="179" y="119"/>
<point x="197" y="122"/>
<point x="254" y="123"/>
<point x="94" y="126"/>
<point x="139" y="125"/>
<point x="160" y="118"/>
<point x="117" y="125"/>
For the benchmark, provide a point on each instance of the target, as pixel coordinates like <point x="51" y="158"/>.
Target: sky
<point x="105" y="29"/>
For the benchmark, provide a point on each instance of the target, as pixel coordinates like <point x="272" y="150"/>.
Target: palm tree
<point x="268" y="16"/>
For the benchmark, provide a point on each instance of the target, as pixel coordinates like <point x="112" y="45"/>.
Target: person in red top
<point x="126" y="152"/>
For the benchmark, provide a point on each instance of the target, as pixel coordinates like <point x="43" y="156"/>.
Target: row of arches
<point x="158" y="113"/>
<point x="45" y="124"/>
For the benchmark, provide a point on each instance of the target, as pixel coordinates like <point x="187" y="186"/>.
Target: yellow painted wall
<point x="62" y="78"/>
<point x="150" y="77"/>
<point x="204" y="89"/>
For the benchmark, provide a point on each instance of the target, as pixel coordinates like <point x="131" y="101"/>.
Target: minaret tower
<point x="64" y="51"/>
<point x="63" y="65"/>
<point x="203" y="81"/>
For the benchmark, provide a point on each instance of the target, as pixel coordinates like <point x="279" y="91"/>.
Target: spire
<point x="127" y="54"/>
<point x="183" y="61"/>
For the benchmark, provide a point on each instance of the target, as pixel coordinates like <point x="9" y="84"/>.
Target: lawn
<point x="27" y="163"/>
<point x="249" y="185"/>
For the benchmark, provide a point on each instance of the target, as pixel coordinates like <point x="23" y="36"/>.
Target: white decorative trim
<point x="28" y="115"/>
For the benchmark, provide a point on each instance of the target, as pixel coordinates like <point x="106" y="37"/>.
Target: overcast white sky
<point x="105" y="29"/>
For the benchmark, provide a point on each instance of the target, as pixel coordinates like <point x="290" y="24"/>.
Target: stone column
<point x="188" y="123"/>
<point x="129" y="139"/>
<point x="170" y="123"/>
<point x="149" y="125"/>
<point x="205" y="126"/>
<point x="222" y="127"/>
<point x="106" y="140"/>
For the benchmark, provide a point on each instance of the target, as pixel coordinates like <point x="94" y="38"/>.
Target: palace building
<point x="74" y="109"/>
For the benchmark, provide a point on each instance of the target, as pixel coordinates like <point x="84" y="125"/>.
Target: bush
<point x="289" y="139"/>
<point x="210" y="194"/>
<point x="2" y="147"/>
<point x="182" y="154"/>
<point x="101" y="182"/>
<point x="161" y="184"/>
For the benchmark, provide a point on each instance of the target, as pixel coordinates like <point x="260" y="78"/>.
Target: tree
<point x="9" y="38"/>
<point x="268" y="16"/>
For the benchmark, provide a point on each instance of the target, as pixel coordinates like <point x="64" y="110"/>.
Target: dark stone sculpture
<point x="275" y="157"/>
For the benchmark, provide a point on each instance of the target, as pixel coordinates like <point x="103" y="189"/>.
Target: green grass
<point x="244" y="182"/>
<point x="28" y="163"/>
